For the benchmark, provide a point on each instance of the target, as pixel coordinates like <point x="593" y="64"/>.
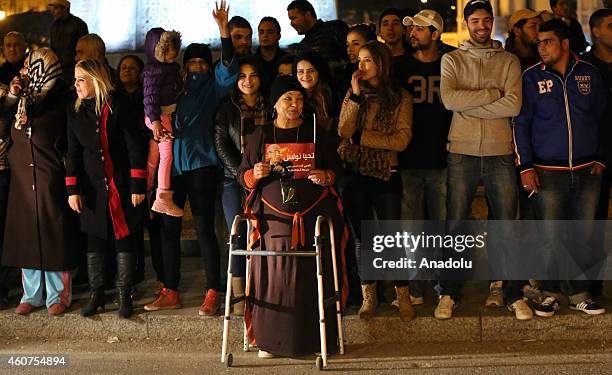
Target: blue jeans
<point x="498" y="175"/>
<point x="424" y="194"/>
<point x="58" y="286"/>
<point x="567" y="195"/>
<point x="232" y="199"/>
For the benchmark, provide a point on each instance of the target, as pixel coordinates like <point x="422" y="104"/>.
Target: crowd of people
<point x="369" y="121"/>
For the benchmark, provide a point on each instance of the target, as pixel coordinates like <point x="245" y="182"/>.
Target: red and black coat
<point x="106" y="164"/>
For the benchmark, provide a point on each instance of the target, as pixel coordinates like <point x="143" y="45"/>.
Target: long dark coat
<point x="106" y="164"/>
<point x="41" y="230"/>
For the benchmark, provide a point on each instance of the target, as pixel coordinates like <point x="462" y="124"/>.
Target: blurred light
<point x="453" y="7"/>
<point x="424" y="1"/>
<point x="2" y="15"/>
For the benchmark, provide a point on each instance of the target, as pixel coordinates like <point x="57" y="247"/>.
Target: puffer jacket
<point x="482" y="86"/>
<point x="161" y="81"/>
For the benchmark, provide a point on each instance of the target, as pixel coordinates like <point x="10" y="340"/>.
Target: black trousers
<point x="364" y="196"/>
<point x="200" y="186"/>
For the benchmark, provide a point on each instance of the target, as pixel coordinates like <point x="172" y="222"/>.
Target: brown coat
<point x="40" y="229"/>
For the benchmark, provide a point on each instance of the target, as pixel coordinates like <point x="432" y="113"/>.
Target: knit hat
<point x="474" y="5"/>
<point x="281" y="85"/>
<point x="198" y="51"/>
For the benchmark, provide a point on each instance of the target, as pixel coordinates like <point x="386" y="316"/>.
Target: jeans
<point x="232" y="199"/>
<point x="424" y="194"/>
<point x="423" y="198"/>
<point x="200" y="185"/>
<point x="567" y="195"/>
<point x="57" y="285"/>
<point x="498" y="175"/>
<point x="363" y="197"/>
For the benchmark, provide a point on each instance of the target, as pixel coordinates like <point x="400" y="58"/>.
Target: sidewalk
<point x="472" y="321"/>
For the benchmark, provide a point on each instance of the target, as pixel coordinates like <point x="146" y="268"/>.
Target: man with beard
<point x="392" y="30"/>
<point x="268" y="53"/>
<point x="481" y="84"/>
<point x="523" y="36"/>
<point x="559" y="147"/>
<point x="241" y="33"/>
<point x="423" y="163"/>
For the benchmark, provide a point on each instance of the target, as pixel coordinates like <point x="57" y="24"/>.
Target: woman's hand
<point x="261" y="170"/>
<point x="75" y="202"/>
<point x="319" y="177"/>
<point x="355" y="82"/>
<point x="137" y="199"/>
<point x="220" y="14"/>
<point x="158" y="130"/>
<point x="16" y="86"/>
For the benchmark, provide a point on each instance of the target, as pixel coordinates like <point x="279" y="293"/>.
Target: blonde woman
<point x="106" y="179"/>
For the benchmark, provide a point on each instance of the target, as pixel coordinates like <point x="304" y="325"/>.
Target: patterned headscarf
<point x="43" y="70"/>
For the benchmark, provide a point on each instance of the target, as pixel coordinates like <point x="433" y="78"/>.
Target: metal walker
<point x="321" y="360"/>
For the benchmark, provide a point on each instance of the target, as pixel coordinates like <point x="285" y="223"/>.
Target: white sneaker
<point x="265" y="355"/>
<point x="522" y="311"/>
<point x="496" y="296"/>
<point x="445" y="308"/>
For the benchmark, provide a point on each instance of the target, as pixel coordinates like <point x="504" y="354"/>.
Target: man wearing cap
<point x="391" y="30"/>
<point x="523" y="36"/>
<point x="65" y="32"/>
<point x="481" y="84"/>
<point x="423" y="163"/>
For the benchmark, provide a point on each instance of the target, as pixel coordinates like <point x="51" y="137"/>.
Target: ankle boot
<point x="165" y="205"/>
<point x="406" y="310"/>
<point x="126" y="268"/>
<point x="238" y="291"/>
<point x="95" y="273"/>
<point x="370" y="301"/>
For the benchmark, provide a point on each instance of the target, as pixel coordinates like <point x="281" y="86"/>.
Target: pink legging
<point x="160" y="153"/>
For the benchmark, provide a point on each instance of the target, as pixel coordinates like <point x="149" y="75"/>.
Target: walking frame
<point x="319" y="242"/>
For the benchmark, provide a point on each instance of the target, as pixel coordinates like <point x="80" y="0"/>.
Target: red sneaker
<point x="210" y="306"/>
<point x="24" y="308"/>
<point x="167" y="299"/>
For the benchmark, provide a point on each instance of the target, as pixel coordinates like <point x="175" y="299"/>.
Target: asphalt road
<point x="175" y="357"/>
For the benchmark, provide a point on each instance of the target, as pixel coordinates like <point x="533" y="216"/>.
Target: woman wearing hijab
<point x="40" y="235"/>
<point x="282" y="297"/>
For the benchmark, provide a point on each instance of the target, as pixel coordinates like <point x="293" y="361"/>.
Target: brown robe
<point x="40" y="229"/>
<point x="282" y="298"/>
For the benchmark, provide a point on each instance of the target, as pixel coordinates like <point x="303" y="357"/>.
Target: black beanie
<point x="281" y="85"/>
<point x="198" y="51"/>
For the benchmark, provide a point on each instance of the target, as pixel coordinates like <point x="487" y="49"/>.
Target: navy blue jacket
<point x="561" y="118"/>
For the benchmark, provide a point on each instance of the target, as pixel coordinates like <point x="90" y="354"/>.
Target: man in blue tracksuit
<point x="559" y="148"/>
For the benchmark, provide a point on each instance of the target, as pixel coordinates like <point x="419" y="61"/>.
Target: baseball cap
<point x="474" y="5"/>
<point x="522" y="14"/>
<point x="426" y="17"/>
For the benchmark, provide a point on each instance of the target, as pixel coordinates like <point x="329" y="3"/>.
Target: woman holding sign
<point x="375" y="124"/>
<point x="289" y="169"/>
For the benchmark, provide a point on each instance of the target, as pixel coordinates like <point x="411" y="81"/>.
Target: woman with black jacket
<point x="106" y="179"/>
<point x="237" y="116"/>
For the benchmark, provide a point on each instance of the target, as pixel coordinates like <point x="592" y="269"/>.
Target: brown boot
<point x="165" y="205"/>
<point x="406" y="310"/>
<point x="238" y="291"/>
<point x="370" y="301"/>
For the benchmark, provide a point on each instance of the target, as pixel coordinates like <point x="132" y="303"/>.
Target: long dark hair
<point x="387" y="91"/>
